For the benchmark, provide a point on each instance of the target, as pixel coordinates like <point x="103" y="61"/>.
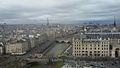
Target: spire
<point x="114" y="28"/>
<point x="114" y="22"/>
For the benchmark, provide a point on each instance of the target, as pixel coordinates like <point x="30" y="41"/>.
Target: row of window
<point x="84" y="48"/>
<point x="91" y="55"/>
<point x="92" y="42"/>
<point x="91" y="52"/>
<point x="91" y="45"/>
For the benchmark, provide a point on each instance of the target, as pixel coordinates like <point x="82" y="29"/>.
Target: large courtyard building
<point x="91" y="47"/>
<point x="97" y="45"/>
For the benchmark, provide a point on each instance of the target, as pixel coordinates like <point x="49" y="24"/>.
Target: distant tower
<point x="114" y="22"/>
<point x="114" y="25"/>
<point x="47" y="22"/>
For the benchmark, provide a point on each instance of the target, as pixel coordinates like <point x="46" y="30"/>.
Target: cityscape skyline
<point x="59" y="34"/>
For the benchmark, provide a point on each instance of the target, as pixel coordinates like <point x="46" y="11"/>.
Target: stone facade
<point x="17" y="48"/>
<point x="91" y="48"/>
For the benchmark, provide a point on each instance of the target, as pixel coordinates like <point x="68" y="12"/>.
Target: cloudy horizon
<point x="58" y="11"/>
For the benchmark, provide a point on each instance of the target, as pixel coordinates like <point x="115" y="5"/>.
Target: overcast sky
<point x="58" y="11"/>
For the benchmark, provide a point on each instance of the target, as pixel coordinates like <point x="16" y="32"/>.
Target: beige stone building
<point x="97" y="44"/>
<point x="91" y="48"/>
<point x="16" y="48"/>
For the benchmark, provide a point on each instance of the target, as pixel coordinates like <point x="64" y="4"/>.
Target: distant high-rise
<point x="47" y="22"/>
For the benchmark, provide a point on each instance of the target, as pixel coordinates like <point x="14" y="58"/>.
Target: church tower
<point x="114" y="25"/>
<point x="114" y="22"/>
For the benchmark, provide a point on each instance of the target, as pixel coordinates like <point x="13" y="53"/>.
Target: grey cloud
<point x="31" y="11"/>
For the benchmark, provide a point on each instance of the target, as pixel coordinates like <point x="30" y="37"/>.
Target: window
<point x="102" y="48"/>
<point x="98" y="45"/>
<point x="98" y="48"/>
<point x="98" y="51"/>
<point x="90" y="51"/>
<point x="90" y="48"/>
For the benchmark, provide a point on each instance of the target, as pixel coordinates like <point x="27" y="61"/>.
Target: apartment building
<point x="16" y="48"/>
<point x="91" y="47"/>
